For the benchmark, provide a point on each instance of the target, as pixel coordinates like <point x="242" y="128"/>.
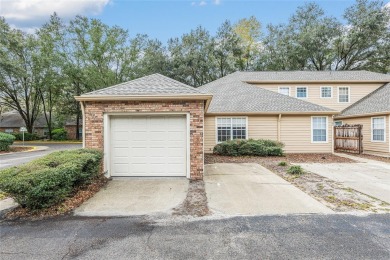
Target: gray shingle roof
<point x="13" y="119"/>
<point x="230" y="95"/>
<point x="155" y="84"/>
<point x="314" y="76"/>
<point x="376" y="102"/>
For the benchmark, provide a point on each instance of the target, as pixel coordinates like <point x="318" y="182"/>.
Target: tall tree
<point x="249" y="32"/>
<point x="19" y="73"/>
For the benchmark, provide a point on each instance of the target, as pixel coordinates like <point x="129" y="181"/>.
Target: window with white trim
<point x="301" y="92"/>
<point x="284" y="91"/>
<point x="230" y="128"/>
<point x="343" y="94"/>
<point x="326" y="92"/>
<point x="338" y="123"/>
<point x="378" y="129"/>
<point x="319" y="128"/>
<point x="9" y="130"/>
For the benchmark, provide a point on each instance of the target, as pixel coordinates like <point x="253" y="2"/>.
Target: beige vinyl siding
<point x="368" y="145"/>
<point x="357" y="92"/>
<point x="295" y="133"/>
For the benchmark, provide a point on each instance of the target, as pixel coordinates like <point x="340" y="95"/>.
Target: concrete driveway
<point x="369" y="177"/>
<point x="250" y="189"/>
<point x="136" y="196"/>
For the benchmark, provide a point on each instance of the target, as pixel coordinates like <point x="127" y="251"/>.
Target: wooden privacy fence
<point x="348" y="138"/>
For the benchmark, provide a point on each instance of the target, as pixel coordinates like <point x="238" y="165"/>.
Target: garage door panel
<point x="148" y="145"/>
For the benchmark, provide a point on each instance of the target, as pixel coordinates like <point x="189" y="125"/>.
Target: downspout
<point x="83" y="114"/>
<point x="279" y="127"/>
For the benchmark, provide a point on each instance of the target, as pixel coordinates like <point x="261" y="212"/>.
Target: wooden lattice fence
<point x="348" y="138"/>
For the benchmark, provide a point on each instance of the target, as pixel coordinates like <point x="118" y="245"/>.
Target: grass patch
<point x="295" y="170"/>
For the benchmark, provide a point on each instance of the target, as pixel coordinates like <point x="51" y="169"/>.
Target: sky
<point x="161" y="19"/>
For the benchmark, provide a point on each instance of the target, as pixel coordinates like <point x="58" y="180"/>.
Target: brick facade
<point x="94" y="111"/>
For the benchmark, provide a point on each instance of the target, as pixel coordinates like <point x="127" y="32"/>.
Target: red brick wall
<point x="94" y="123"/>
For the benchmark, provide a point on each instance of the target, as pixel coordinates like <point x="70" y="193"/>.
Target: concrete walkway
<point x="367" y="176"/>
<point x="250" y="189"/>
<point x="136" y="196"/>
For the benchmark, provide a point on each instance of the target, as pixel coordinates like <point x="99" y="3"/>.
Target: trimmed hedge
<point x="27" y="136"/>
<point x="59" y="134"/>
<point x="251" y="147"/>
<point x="49" y="180"/>
<point x="5" y="141"/>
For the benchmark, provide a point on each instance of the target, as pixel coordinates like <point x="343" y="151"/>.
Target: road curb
<point x="35" y="149"/>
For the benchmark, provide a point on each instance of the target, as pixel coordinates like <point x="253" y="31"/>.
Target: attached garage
<point x="148" y="127"/>
<point x="148" y="145"/>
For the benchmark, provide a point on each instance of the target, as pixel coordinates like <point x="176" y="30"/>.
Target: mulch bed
<point x="292" y="158"/>
<point x="82" y="194"/>
<point x="17" y="149"/>
<point x="195" y="204"/>
<point x="332" y="194"/>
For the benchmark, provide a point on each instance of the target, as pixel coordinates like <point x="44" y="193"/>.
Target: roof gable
<point x="155" y="84"/>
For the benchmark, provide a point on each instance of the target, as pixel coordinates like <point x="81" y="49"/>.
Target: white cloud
<point x="387" y="5"/>
<point x="217" y="2"/>
<point x="202" y="3"/>
<point x="31" y="13"/>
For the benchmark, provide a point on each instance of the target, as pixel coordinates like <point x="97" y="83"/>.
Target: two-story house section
<point x="333" y="89"/>
<point x="298" y="108"/>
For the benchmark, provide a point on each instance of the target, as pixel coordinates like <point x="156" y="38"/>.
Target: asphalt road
<point x="9" y="160"/>
<point x="265" y="237"/>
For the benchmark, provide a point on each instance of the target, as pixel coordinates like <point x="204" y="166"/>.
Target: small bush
<point x="59" y="134"/>
<point x="5" y="141"/>
<point x="50" y="179"/>
<point x="27" y="136"/>
<point x="295" y="170"/>
<point x="249" y="147"/>
<point x="282" y="164"/>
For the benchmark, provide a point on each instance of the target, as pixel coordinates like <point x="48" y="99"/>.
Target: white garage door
<point x="148" y="145"/>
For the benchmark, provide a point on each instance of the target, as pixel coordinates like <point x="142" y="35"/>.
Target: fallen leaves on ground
<point x="195" y="203"/>
<point x="15" y="149"/>
<point x="80" y="195"/>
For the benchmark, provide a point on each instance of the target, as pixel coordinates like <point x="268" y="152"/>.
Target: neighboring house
<point x="156" y="126"/>
<point x="373" y="112"/>
<point x="71" y="129"/>
<point x="10" y="122"/>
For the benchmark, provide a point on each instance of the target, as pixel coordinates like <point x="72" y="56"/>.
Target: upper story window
<point x="344" y="94"/>
<point x="9" y="130"/>
<point x="338" y="123"/>
<point x="230" y="128"/>
<point x="326" y="92"/>
<point x="284" y="91"/>
<point x="302" y="92"/>
<point x="319" y="126"/>
<point x="378" y="129"/>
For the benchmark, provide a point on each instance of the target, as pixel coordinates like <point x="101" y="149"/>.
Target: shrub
<point x="282" y="164"/>
<point x="50" y="179"/>
<point x="5" y="141"/>
<point x="59" y="134"/>
<point x="249" y="147"/>
<point x="295" y="170"/>
<point x="27" y="136"/>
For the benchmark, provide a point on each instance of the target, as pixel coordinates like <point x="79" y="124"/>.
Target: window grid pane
<point x="319" y="129"/>
<point x="302" y="92"/>
<point x="343" y="94"/>
<point x="326" y="92"/>
<point x="231" y="128"/>
<point x="378" y="129"/>
<point x="284" y="91"/>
